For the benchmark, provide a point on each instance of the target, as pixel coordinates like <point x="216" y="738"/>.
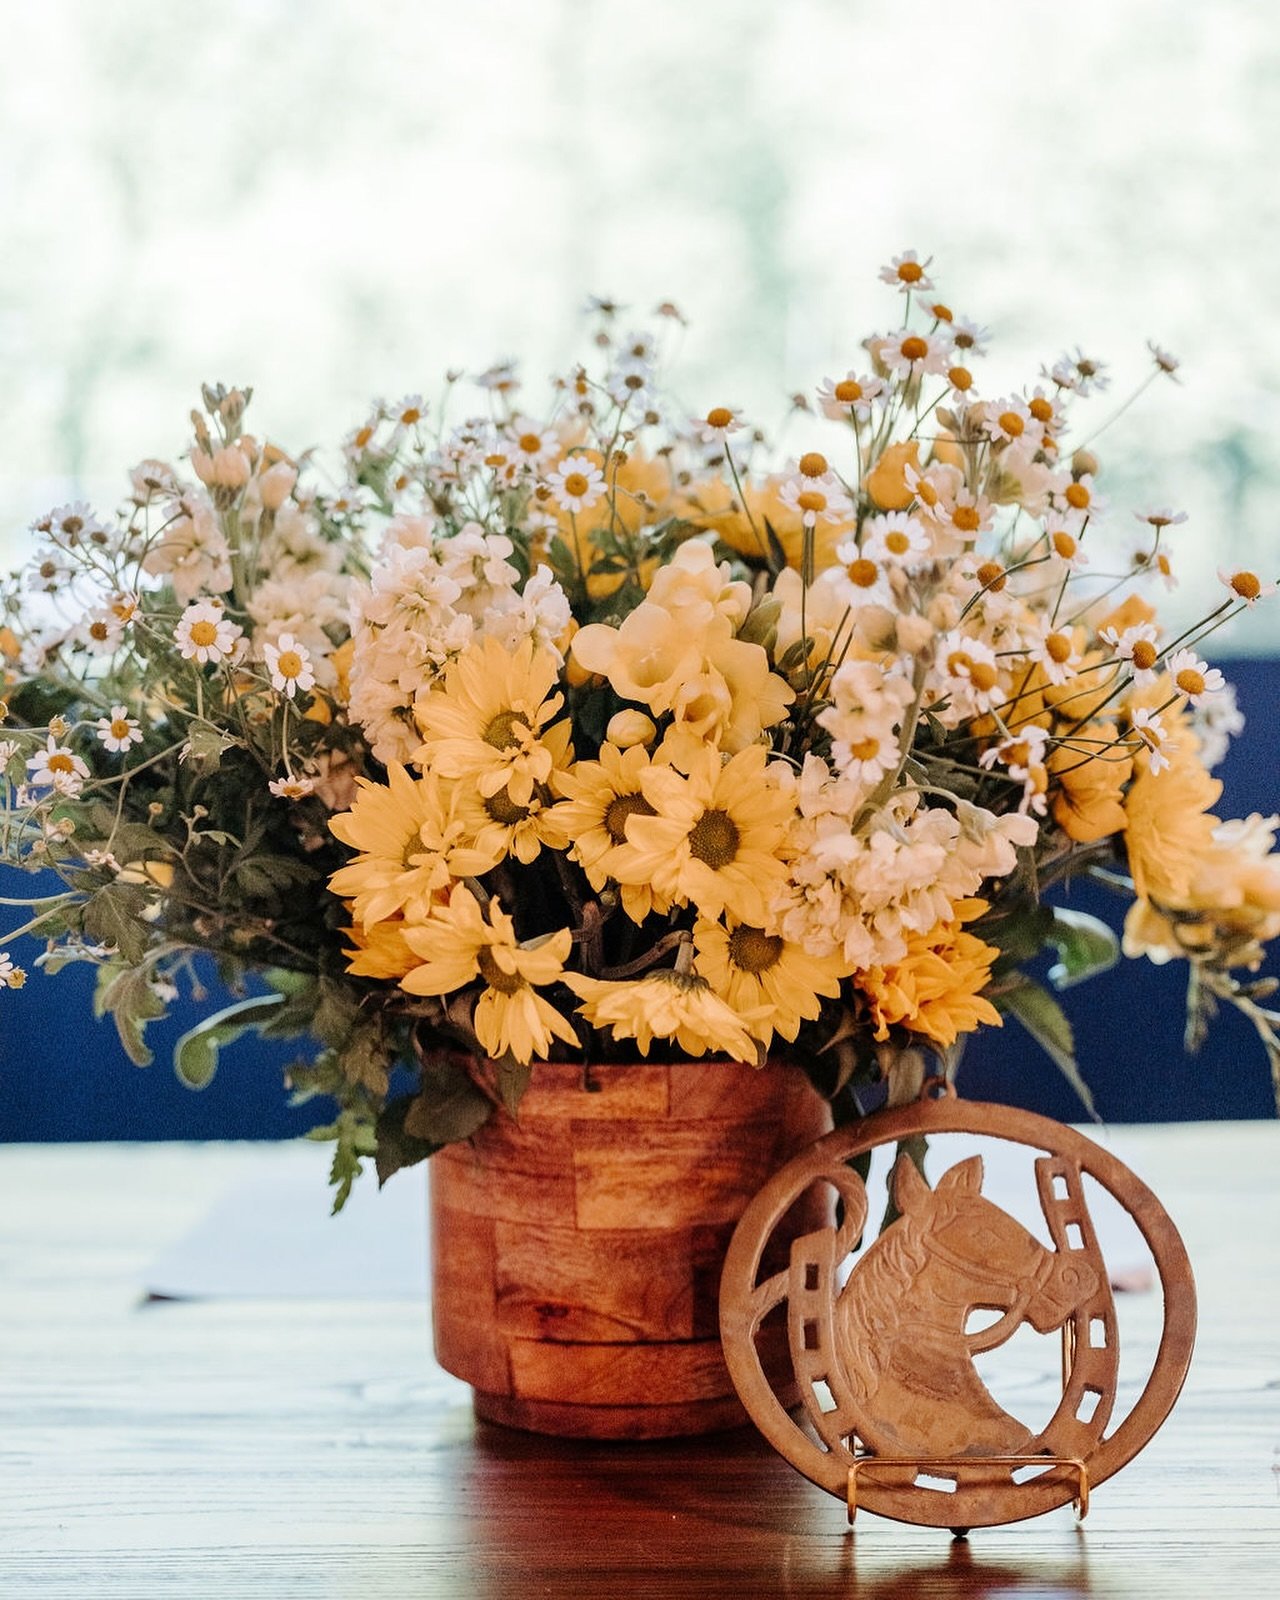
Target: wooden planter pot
<point x="576" y="1254"/>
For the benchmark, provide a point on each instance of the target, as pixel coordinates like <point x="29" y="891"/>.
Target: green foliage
<point x="113" y="916"/>
<point x="1085" y="946"/>
<point x="1047" y="1023"/>
<point x="126" y="995"/>
<point x="195" y="1056"/>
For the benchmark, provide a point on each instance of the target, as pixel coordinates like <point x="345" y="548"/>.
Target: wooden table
<point x="246" y="1448"/>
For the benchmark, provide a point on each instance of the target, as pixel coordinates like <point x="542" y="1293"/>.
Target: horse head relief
<point x="883" y="1335"/>
<point x="900" y="1338"/>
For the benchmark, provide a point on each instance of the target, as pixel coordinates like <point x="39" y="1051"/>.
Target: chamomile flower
<point x="1151" y="731"/>
<point x="408" y="411"/>
<point x="1160" y="517"/>
<point x="1057" y="656"/>
<point x="1245" y="585"/>
<point x="863" y="582"/>
<point x="100" y="632"/>
<point x="1139" y="647"/>
<point x="816" y="499"/>
<point x="718" y="424"/>
<point x="907" y="272"/>
<point x="854" y="394"/>
<point x="897" y="539"/>
<point x="1084" y="375"/>
<point x="1193" y="677"/>
<point x="8" y="749"/>
<point x="969" y="336"/>
<point x="1065" y="544"/>
<point x="1168" y="364"/>
<point x="10" y="976"/>
<point x="1009" y="421"/>
<point x="1079" y="499"/>
<point x="206" y="634"/>
<point x="56" y="767"/>
<point x="1157" y="563"/>
<point x="533" y="444"/>
<point x="907" y="352"/>
<point x="291" y="788"/>
<point x="119" y="731"/>
<point x="576" y="484"/>
<point x="289" y="664"/>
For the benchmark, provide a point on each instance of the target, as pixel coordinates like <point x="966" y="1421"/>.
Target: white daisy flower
<point x="1215" y="724"/>
<point x="907" y="272"/>
<point x="10" y="976"/>
<point x="500" y="378"/>
<point x="1149" y="728"/>
<point x="1082" y="374"/>
<point x="291" y="788"/>
<point x="103" y="860"/>
<point x="969" y="669"/>
<point x="1161" y="516"/>
<point x="1079" y="499"/>
<point x="718" y="424"/>
<point x="1167" y="363"/>
<point x="409" y="410"/>
<point x="906" y="351"/>
<point x="576" y="484"/>
<point x="1064" y="542"/>
<point x="73" y="526"/>
<point x="119" y="730"/>
<point x="816" y="499"/>
<point x="533" y="443"/>
<point x="100" y="632"/>
<point x="49" y="571"/>
<point x="896" y="538"/>
<point x="860" y="581"/>
<point x="1155" y="563"/>
<point x="1193" y="677"/>
<point x="1009" y="421"/>
<point x="852" y="394"/>
<point x="289" y="664"/>
<point x="969" y="336"/>
<point x="1139" y="647"/>
<point x="205" y="633"/>
<point x="1057" y="655"/>
<point x="1245" y="585"/>
<point x="8" y="749"/>
<point x="56" y="766"/>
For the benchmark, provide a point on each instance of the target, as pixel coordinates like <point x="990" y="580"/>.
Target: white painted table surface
<point x="311" y="1447"/>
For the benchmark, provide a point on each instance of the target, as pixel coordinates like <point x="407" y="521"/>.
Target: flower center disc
<point x="714" y="839"/>
<point x="503" y="809"/>
<point x="619" y="809"/>
<point x="502" y="731"/>
<point x="494" y="976"/>
<point x="753" y="950"/>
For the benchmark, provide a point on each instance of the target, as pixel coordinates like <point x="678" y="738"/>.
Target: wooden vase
<point x="576" y="1253"/>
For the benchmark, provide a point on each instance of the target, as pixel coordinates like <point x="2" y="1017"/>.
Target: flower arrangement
<point x="592" y="736"/>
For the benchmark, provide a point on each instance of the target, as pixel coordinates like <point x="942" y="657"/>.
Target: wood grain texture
<point x="249" y="1449"/>
<point x="578" y="1258"/>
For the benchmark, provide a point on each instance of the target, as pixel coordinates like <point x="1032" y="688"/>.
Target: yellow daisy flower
<point x="379" y="951"/>
<point x="936" y="989"/>
<point x="714" y="837"/>
<point x="485" y="723"/>
<point x="757" y="972"/>
<point x="459" y="943"/>
<point x="666" y="1005"/>
<point x="601" y="797"/>
<point x="497" y="827"/>
<point x="411" y="845"/>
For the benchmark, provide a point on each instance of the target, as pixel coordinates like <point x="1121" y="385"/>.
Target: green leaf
<point x="396" y="1148"/>
<point x="113" y="916"/>
<point x="1047" y="1023"/>
<point x="127" y="996"/>
<point x="205" y="746"/>
<point x="1020" y="933"/>
<point x="195" y="1056"/>
<point x="1085" y="946"/>
<point x="513" y="1080"/>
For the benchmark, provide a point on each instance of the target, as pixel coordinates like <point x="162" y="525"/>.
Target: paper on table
<point x="271" y="1236"/>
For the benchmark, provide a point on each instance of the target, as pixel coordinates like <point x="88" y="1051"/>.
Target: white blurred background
<point x="332" y="199"/>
